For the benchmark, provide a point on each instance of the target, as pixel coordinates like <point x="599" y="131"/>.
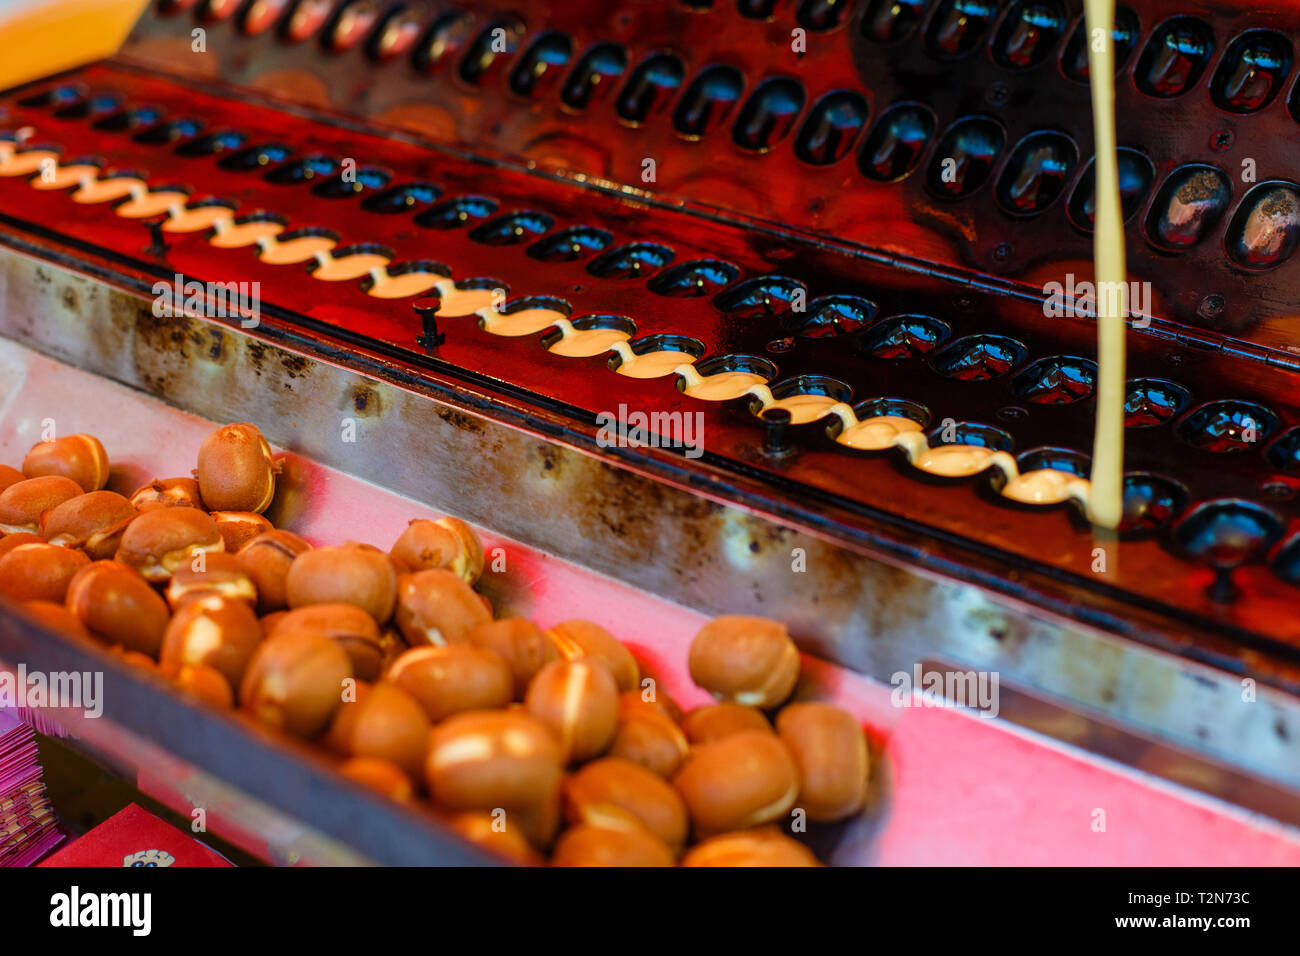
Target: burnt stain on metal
<point x="363" y="401"/>
<point x="459" y="420"/>
<point x="295" y="366"/>
<point x="216" y="345"/>
<point x="70" y="300"/>
<point x="552" y="461"/>
<point x="166" y="333"/>
<point x="256" y="352"/>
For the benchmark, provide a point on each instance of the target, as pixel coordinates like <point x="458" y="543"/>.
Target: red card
<point x="135" y="837"/>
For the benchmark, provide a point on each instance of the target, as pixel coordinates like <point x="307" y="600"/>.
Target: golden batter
<point x="198" y="218"/>
<point x="1046" y="486"/>
<point x="286" y="252"/>
<point x="523" y="322"/>
<point x="385" y="286"/>
<point x="650" y="364"/>
<point x="352" y="266"/>
<point x="720" y="386"/>
<point x="151" y="204"/>
<point x="65" y="177"/>
<point x="14" y="163"/>
<point x="109" y="190"/>
<point x="584" y="343"/>
<point x="455" y="302"/>
<point x="233" y="235"/>
<point x="876" y="434"/>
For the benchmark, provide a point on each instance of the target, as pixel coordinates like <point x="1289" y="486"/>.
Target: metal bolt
<point x="776" y="441"/>
<point x="1211" y="306"/>
<point x="157" y="241"/>
<point x="426" y="307"/>
<point x="1222" y="140"/>
<point x="998" y="94"/>
<point x="1277" y="489"/>
<point x="780" y="346"/>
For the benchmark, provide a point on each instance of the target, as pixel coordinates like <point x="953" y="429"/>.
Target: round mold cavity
<point x="252" y="158"/>
<point x="592" y="75"/>
<point x="55" y="97"/>
<point x="884" y="407"/>
<point x="1153" y="401"/>
<point x="171" y="131"/>
<point x="1286" y="560"/>
<point x="832" y="315"/>
<point x="396" y="35"/>
<point x="905" y="336"/>
<point x="1284" y="454"/>
<point x="949" y="432"/>
<point x="1035" y="175"/>
<point x="964" y="159"/>
<point x="650" y="87"/>
<point x="760" y="297"/>
<point x="896" y="143"/>
<point x="541" y="64"/>
<point x="633" y="261"/>
<point x="367" y="179"/>
<point x="1028" y="34"/>
<point x="1136" y="174"/>
<point x="831" y="128"/>
<point x="536" y="324"/>
<point x="402" y="198"/>
<point x="570" y="245"/>
<point x="889" y="21"/>
<point x="820" y="15"/>
<point x="357" y="249"/>
<point x="1175" y="57"/>
<point x="98" y="104"/>
<point x="1151" y="502"/>
<point x="1056" y="380"/>
<point x="1188" y="207"/>
<point x="456" y="212"/>
<point x="661" y="342"/>
<point x="1227" y="532"/>
<point x="219" y="143"/>
<point x="447" y="34"/>
<point x="424" y="266"/>
<point x="956" y="28"/>
<point x="303" y="170"/>
<point x="751" y="364"/>
<point x="1228" y="426"/>
<point x="695" y="279"/>
<point x="1251" y="72"/>
<point x="708" y="101"/>
<point x="588" y="323"/>
<point x="512" y="228"/>
<point x="823" y="385"/>
<point x="969" y="433"/>
<point x="979" y="358"/>
<point x="498" y="40"/>
<point x="1074" y="56"/>
<point x="129" y="120"/>
<point x="1035" y="459"/>
<point x="769" y="114"/>
<point x="1265" y="230"/>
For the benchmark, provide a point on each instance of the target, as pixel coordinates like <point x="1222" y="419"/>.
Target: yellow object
<point x="39" y="38"/>
<point x="1106" y="502"/>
